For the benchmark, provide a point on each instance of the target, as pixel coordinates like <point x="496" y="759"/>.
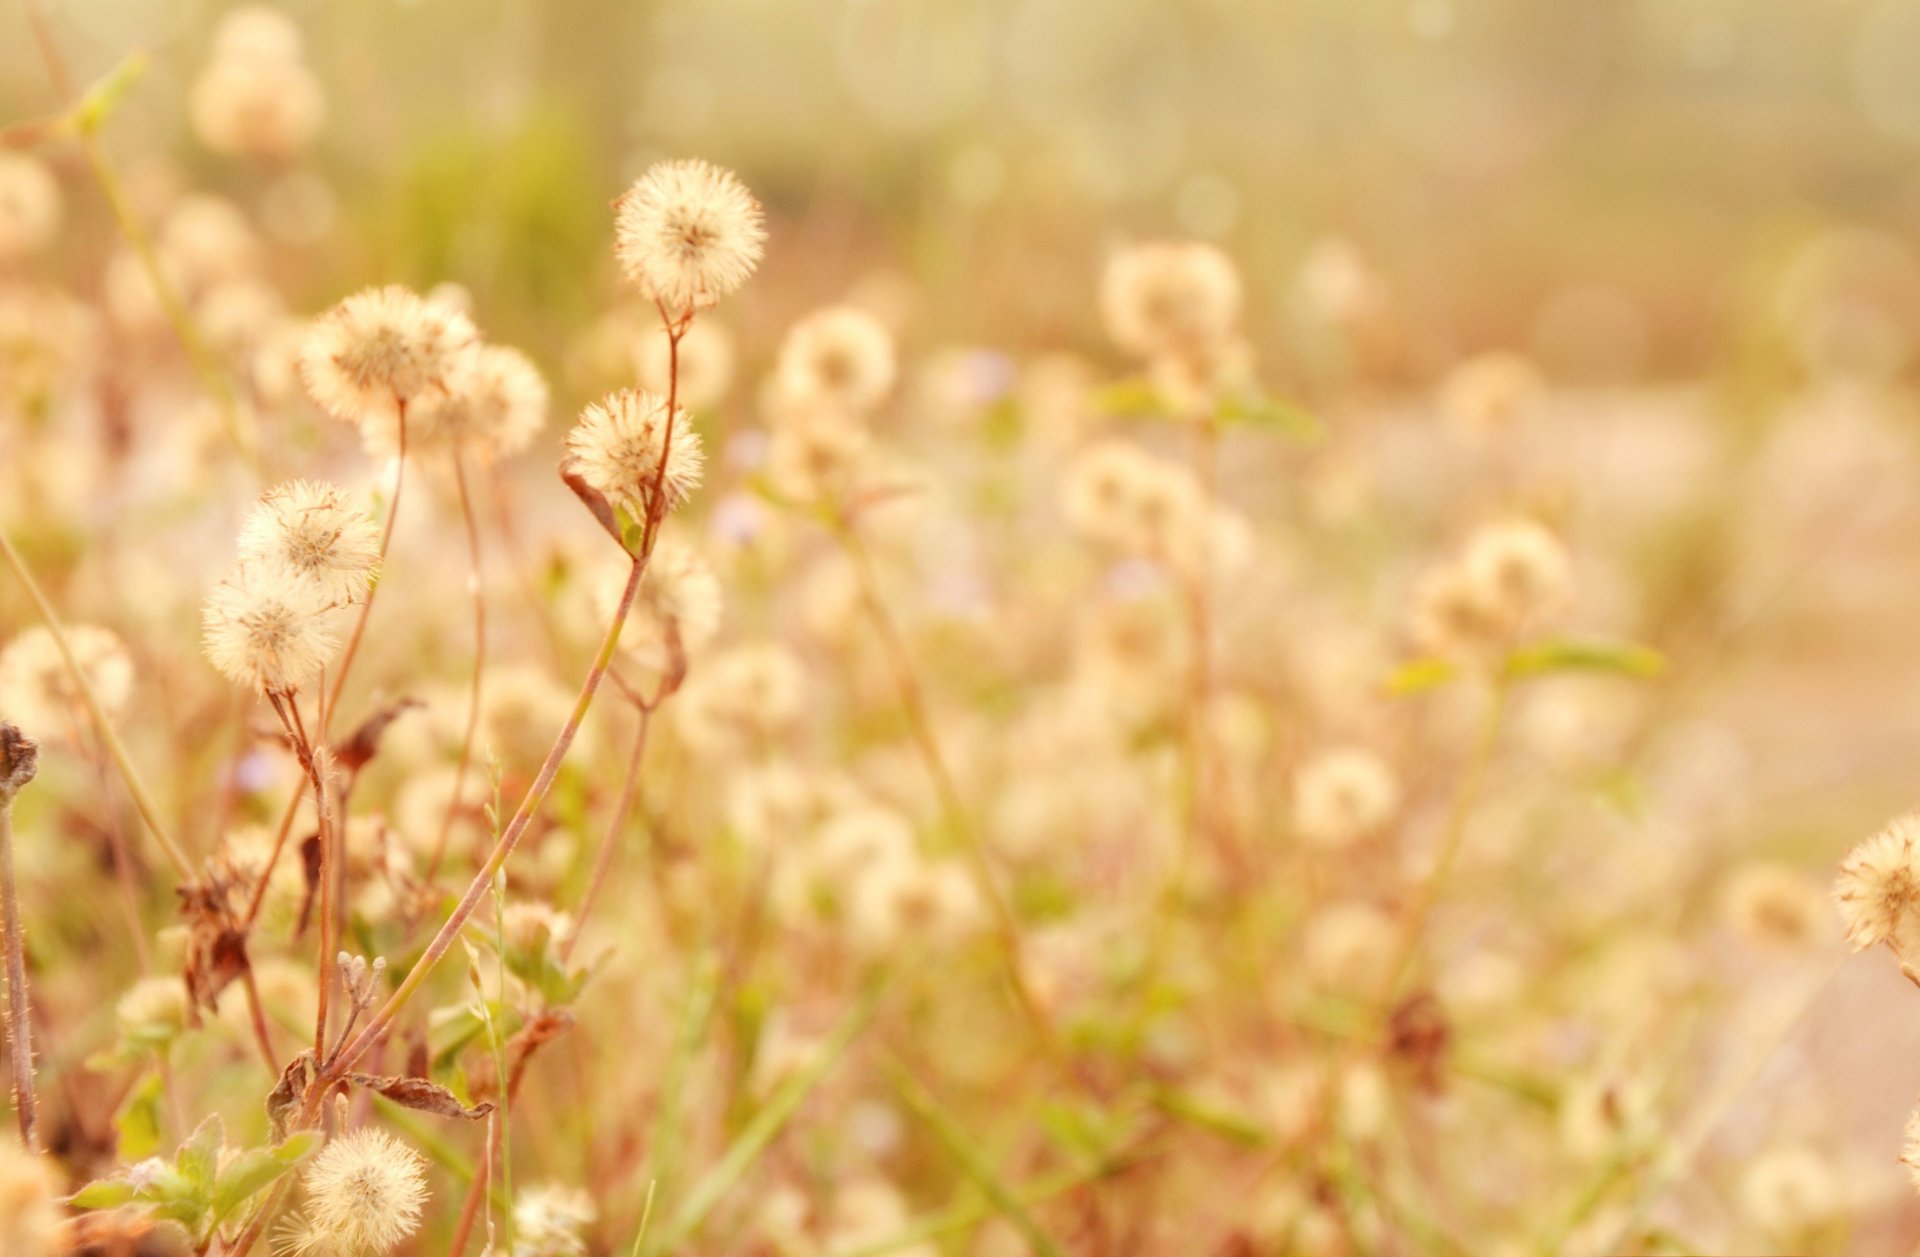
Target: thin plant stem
<point x="610" y="841"/>
<point x="478" y="590"/>
<point x="1413" y="923"/>
<point x="347" y="656"/>
<point x="315" y="760"/>
<point x="509" y="839"/>
<point x="142" y="800"/>
<point x="86" y="127"/>
<point x="920" y="724"/>
<point x="18" y="761"/>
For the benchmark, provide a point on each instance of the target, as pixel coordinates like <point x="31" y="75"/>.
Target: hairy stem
<point x="610" y="841"/>
<point x="478" y="590"/>
<point x="366" y="608"/>
<point x="18" y="760"/>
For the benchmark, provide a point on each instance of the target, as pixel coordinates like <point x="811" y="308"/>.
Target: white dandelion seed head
<point x="384" y="348"/>
<point x="37" y="692"/>
<point x="620" y="441"/>
<point x="1342" y="795"/>
<point x="1170" y="297"/>
<point x="265" y="626"/>
<point x="365" y="1190"/>
<point x="688" y="233"/>
<point x="1878" y="889"/>
<point x="839" y="356"/>
<point x="1518" y="570"/>
<point x="493" y="410"/>
<point x="314" y="529"/>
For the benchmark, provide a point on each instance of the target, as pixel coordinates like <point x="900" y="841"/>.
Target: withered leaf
<point x="418" y="1093"/>
<point x="364" y="742"/>
<point x="593" y="500"/>
<point x="287" y="1092"/>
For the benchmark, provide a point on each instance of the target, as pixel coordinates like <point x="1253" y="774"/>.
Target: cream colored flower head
<point x="1342" y="795"/>
<point x="265" y="626"/>
<point x="680" y="588"/>
<point x="1878" y="889"/>
<point x="256" y="97"/>
<point x="314" y="529"/>
<point x="29" y="205"/>
<point x="1518" y="570"/>
<point x="364" y="1194"/>
<point x="384" y="348"/>
<point x="493" y="411"/>
<point x="840" y="356"/>
<point x="688" y="233"/>
<point x="37" y="692"/>
<point x="620" y="442"/>
<point x="1170" y="297"/>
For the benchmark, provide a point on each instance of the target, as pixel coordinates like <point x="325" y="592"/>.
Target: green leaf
<point x="1263" y="411"/>
<point x="138" y="1121"/>
<point x="1571" y="655"/>
<point x="1417" y="676"/>
<point x="298" y="1146"/>
<point x="199" y="1158"/>
<point x="244" y="1176"/>
<point x="105" y="93"/>
<point x="1134" y="397"/>
<point x="105" y="1193"/>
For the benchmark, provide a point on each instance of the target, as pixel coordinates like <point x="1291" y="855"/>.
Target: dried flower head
<point x="1343" y="795"/>
<point x="1776" y="903"/>
<point x="619" y="445"/>
<point x="364" y="1192"/>
<point x="30" y="1212"/>
<point x="1170" y="297"/>
<point x="820" y="456"/>
<point x="1518" y="570"/>
<point x="29" y="205"/>
<point x="313" y="529"/>
<point x="839" y="356"/>
<point x="551" y="1221"/>
<point x="256" y="97"/>
<point x="265" y="627"/>
<point x="494" y="410"/>
<point x="1878" y="889"/>
<point x="688" y="233"/>
<point x="37" y="692"/>
<point x="1489" y="394"/>
<point x="384" y="348"/>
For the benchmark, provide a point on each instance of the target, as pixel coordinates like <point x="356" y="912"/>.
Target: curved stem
<point x="610" y="841"/>
<point x="476" y="587"/>
<point x="920" y="725"/>
<point x="142" y="800"/>
<point x="366" y="608"/>
<point x="509" y="839"/>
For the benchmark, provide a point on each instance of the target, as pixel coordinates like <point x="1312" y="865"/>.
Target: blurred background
<point x="1606" y="186"/>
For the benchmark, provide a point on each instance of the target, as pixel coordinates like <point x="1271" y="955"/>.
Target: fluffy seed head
<point x="1342" y="795"/>
<point x="1518" y="570"/>
<point x="688" y="233"/>
<point x="493" y="411"/>
<point x="37" y="692"/>
<point x="1878" y="889"/>
<point x="365" y="1190"/>
<point x="679" y="588"/>
<point x="839" y="356"/>
<point x="1170" y="297"/>
<point x="265" y="627"/>
<point x="383" y="348"/>
<point x="313" y="529"/>
<point x="618" y="445"/>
